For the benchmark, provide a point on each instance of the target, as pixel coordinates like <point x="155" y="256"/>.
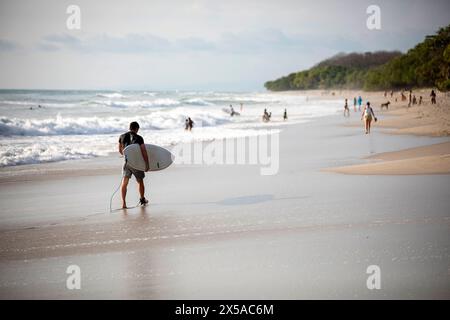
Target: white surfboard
<point x="226" y="110"/>
<point x="158" y="157"/>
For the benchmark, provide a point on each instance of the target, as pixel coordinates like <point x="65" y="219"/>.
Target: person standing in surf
<point x="131" y="137"/>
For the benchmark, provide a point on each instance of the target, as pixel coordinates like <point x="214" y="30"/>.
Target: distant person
<point x="410" y="98"/>
<point x="190" y="124"/>
<point x="392" y="93"/>
<point x="433" y="97"/>
<point x="265" y="116"/>
<point x="354" y="104"/>
<point x="131" y="137"/>
<point x="403" y="96"/>
<point x="186" y="124"/>
<point x="346" y="109"/>
<point x="368" y="114"/>
<point x="232" y="112"/>
<point x="285" y="117"/>
<point x="420" y="100"/>
<point x="359" y="103"/>
<point x="414" y="101"/>
<point x="385" y="94"/>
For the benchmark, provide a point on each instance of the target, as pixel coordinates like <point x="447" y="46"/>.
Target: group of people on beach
<point x="356" y="101"/>
<point x="368" y="114"/>
<point x="412" y="99"/>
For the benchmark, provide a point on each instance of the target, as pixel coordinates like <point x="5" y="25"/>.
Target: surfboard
<point x="158" y="157"/>
<point x="229" y="112"/>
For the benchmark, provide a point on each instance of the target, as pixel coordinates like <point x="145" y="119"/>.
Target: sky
<point x="195" y="45"/>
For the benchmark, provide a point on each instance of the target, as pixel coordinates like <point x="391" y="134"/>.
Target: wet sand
<point x="226" y="231"/>
<point x="432" y="159"/>
<point x="401" y="117"/>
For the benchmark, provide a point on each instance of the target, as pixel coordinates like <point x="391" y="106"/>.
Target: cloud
<point x="258" y="42"/>
<point x="6" y="45"/>
<point x="104" y="43"/>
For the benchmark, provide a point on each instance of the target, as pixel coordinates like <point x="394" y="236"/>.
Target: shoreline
<point x="417" y="120"/>
<point x="427" y="160"/>
<point x="221" y="231"/>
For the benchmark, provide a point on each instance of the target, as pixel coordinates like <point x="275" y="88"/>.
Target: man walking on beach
<point x="346" y="109"/>
<point x="433" y="97"/>
<point x="131" y="137"/>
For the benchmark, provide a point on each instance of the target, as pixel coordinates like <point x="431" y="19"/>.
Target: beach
<point x="228" y="232"/>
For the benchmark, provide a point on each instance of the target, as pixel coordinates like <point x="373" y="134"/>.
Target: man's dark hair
<point x="134" y="126"/>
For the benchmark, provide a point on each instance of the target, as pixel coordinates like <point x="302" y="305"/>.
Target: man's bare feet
<point x="124" y="206"/>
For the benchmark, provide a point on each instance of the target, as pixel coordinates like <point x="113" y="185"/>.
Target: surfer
<point x="266" y="116"/>
<point x="190" y="123"/>
<point x="131" y="137"/>
<point x="231" y="110"/>
<point x="285" y="117"/>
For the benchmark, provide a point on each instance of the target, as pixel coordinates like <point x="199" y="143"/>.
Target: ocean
<point x="38" y="126"/>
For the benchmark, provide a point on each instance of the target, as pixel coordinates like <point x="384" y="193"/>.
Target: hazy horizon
<point x="194" y="45"/>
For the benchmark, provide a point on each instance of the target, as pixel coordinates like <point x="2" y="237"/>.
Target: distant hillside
<point x="360" y="60"/>
<point x="426" y="65"/>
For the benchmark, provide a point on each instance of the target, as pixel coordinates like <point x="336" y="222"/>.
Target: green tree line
<point x="425" y="65"/>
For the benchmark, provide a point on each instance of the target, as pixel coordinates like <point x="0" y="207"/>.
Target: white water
<point x="46" y="126"/>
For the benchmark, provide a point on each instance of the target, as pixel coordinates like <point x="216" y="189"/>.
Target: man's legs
<point x="141" y="187"/>
<point x="125" y="181"/>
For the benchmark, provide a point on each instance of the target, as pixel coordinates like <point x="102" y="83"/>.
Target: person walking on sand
<point x="354" y="104"/>
<point x="433" y="97"/>
<point x="285" y="117"/>
<point x="131" y="137"/>
<point x="410" y="98"/>
<point x="346" y="109"/>
<point x="368" y="114"/>
<point x="359" y="103"/>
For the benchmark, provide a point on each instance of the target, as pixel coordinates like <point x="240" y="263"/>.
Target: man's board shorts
<point x="128" y="171"/>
